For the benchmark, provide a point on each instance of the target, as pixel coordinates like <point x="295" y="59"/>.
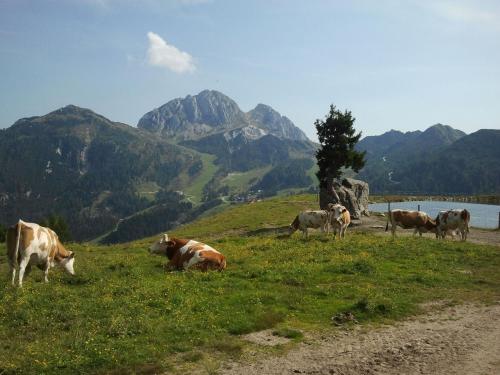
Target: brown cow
<point x="410" y="219"/>
<point x="184" y="254"/>
<point x="30" y="243"/>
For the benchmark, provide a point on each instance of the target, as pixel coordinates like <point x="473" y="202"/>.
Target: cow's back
<point x="194" y="254"/>
<point x="313" y="219"/>
<point x="409" y="219"/>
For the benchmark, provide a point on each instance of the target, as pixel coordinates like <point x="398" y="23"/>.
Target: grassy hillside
<point x="123" y="314"/>
<point x="195" y="189"/>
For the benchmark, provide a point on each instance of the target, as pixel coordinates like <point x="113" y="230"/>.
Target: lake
<point x="482" y="215"/>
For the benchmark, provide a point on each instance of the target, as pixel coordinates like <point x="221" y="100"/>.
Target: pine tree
<point x="337" y="138"/>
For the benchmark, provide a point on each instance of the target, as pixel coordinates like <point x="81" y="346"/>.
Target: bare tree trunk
<point x="332" y="191"/>
<point x="328" y="195"/>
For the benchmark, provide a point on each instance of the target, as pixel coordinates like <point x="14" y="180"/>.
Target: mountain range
<point x="102" y="175"/>
<point x="114" y="182"/>
<point x="439" y="160"/>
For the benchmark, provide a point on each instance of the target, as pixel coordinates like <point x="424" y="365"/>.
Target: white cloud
<point x="164" y="55"/>
<point x="466" y="12"/>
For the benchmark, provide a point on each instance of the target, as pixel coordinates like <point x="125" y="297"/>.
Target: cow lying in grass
<point x="310" y="219"/>
<point x="31" y="244"/>
<point x="340" y="218"/>
<point x="184" y="254"/>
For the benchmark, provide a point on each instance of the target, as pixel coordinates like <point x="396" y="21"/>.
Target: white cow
<point x="310" y="219"/>
<point x="452" y="220"/>
<point x="30" y="243"/>
<point x="340" y="218"/>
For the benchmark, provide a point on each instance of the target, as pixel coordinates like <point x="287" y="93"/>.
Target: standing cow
<point x="184" y="254"/>
<point x="453" y="220"/>
<point x="310" y="219"/>
<point x="31" y="244"/>
<point x="340" y="218"/>
<point x="410" y="219"/>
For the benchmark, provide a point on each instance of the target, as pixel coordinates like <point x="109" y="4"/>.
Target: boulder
<point x="353" y="194"/>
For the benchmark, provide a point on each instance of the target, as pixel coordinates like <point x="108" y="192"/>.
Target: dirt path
<point x="376" y="224"/>
<point x="457" y="340"/>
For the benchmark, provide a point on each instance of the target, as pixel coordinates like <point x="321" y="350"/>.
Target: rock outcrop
<point x="353" y="194"/>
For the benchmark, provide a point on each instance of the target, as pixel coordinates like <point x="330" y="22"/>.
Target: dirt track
<point x="456" y="340"/>
<point x="446" y="340"/>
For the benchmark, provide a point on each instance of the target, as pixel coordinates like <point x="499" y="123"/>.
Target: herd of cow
<point x="31" y="244"/>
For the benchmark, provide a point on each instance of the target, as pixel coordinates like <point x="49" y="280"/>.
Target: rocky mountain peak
<point x="270" y="120"/>
<point x="211" y="112"/>
<point x="194" y="116"/>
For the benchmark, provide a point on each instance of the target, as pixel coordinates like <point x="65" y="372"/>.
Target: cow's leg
<point x="46" y="271"/>
<point x="463" y="234"/>
<point x="342" y="231"/>
<point x="22" y="268"/>
<point x="12" y="268"/>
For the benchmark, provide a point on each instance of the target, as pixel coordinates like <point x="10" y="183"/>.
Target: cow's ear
<point x="344" y="210"/>
<point x="170" y="243"/>
<point x="72" y="255"/>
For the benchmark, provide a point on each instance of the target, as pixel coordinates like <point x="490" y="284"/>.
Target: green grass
<point x="195" y="189"/>
<point x="240" y="182"/>
<point x="147" y="190"/>
<point x="123" y="314"/>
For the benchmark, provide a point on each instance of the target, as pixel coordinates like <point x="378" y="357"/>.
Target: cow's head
<point x="67" y="263"/>
<point x="431" y="225"/>
<point x="161" y="247"/>
<point x="294" y="226"/>
<point x="337" y="212"/>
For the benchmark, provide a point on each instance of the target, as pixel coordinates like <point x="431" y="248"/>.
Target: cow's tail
<point x="18" y="240"/>
<point x="388" y="218"/>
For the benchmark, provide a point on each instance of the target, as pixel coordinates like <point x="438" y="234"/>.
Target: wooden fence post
<point x="418" y="208"/>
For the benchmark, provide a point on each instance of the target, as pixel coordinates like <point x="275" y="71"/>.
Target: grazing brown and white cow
<point x="310" y="219"/>
<point x="184" y="254"/>
<point x="410" y="219"/>
<point x="452" y="220"/>
<point x="31" y="244"/>
<point x="340" y="218"/>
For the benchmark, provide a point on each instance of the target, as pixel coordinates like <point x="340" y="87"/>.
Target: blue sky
<point x="401" y="65"/>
